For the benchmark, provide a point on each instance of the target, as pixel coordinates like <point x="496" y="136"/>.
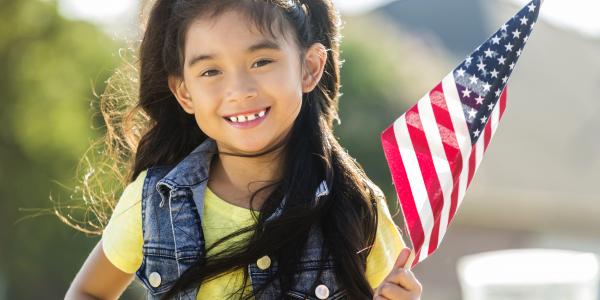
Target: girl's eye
<point x="263" y="60"/>
<point x="208" y="72"/>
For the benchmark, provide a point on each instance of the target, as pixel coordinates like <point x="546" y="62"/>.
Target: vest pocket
<point x="158" y="271"/>
<point x="316" y="280"/>
<point x="293" y="294"/>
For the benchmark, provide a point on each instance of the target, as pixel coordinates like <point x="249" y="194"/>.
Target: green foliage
<point x="50" y="68"/>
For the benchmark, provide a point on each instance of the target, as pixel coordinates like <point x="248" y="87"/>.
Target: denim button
<point x="322" y="291"/>
<point x="154" y="279"/>
<point x="264" y="262"/>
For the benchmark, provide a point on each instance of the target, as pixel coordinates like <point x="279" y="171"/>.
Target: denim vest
<point x="172" y="205"/>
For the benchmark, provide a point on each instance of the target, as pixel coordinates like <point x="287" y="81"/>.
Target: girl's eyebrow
<point x="263" y="44"/>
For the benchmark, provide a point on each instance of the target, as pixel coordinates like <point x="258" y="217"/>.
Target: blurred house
<point x="538" y="183"/>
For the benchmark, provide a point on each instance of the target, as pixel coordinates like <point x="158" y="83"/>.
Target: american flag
<point x="434" y="149"/>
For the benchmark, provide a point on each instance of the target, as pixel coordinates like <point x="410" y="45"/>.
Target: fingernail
<point x="406" y="251"/>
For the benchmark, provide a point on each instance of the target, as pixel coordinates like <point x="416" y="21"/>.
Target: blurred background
<point x="536" y="188"/>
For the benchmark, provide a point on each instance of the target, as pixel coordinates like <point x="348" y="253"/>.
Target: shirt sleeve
<point x="387" y="246"/>
<point x="122" y="239"/>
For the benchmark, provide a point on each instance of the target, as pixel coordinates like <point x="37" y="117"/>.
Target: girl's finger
<point x="405" y="278"/>
<point x="402" y="258"/>
<point x="377" y="293"/>
<point x="392" y="291"/>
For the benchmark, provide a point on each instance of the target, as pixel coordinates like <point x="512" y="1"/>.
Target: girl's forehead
<point x="231" y="35"/>
<point x="231" y="31"/>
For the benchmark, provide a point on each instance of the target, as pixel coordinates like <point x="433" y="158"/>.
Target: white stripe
<point x="460" y="129"/>
<point x="415" y="178"/>
<point x="440" y="161"/>
<point x="495" y="117"/>
<point x="479" y="147"/>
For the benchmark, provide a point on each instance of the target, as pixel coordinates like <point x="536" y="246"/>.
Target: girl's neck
<point x="234" y="179"/>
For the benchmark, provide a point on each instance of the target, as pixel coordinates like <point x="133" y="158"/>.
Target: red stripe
<point x="428" y="171"/>
<point x="416" y="260"/>
<point x="448" y="135"/>
<point x="472" y="164"/>
<point x="402" y="186"/>
<point x="503" y="97"/>
<point x="488" y="126"/>
<point x="487" y="133"/>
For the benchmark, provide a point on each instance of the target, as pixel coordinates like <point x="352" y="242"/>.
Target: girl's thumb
<point x="402" y="258"/>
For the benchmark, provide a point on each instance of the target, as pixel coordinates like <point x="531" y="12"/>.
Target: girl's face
<point x="244" y="88"/>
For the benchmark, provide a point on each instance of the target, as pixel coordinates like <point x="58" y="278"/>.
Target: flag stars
<point x="479" y="100"/>
<point x="496" y="40"/>
<point x="524" y="20"/>
<point x="489" y="53"/>
<point x="481" y="66"/>
<point x="486" y="87"/>
<point x="467" y="93"/>
<point x="473" y="79"/>
<point x="505" y="79"/>
<point x="504" y="27"/>
<point x="460" y="72"/>
<point x="498" y="92"/>
<point x="526" y="38"/>
<point x="494" y="73"/>
<point x="483" y="119"/>
<point x="490" y="106"/>
<point x="472" y="113"/>
<point x="519" y="52"/>
<point x="531" y="7"/>
<point x="509" y="47"/>
<point x="512" y="66"/>
<point x="468" y="61"/>
<point x="501" y="60"/>
<point x="476" y="133"/>
<point x="516" y="34"/>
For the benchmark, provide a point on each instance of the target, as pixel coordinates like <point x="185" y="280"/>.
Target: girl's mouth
<point x="246" y="121"/>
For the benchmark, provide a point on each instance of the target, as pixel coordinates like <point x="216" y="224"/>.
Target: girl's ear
<point x="181" y="93"/>
<point x="314" y="64"/>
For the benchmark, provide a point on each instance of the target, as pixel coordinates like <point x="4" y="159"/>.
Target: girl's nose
<point x="240" y="86"/>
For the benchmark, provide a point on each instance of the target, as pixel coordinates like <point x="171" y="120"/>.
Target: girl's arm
<point x="98" y="278"/>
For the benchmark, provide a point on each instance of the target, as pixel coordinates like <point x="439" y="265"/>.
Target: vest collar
<point x="193" y="169"/>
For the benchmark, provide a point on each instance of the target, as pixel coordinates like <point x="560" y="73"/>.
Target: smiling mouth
<point x="248" y="120"/>
<point x="244" y="118"/>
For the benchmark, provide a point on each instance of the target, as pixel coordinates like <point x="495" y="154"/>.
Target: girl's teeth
<point x="239" y="119"/>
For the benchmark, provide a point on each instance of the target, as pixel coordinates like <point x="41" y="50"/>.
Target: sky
<point x="578" y="15"/>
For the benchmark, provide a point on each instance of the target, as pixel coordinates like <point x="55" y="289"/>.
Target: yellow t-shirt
<point x="122" y="239"/>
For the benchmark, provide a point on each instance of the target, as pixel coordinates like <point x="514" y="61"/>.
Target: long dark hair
<point x="347" y="216"/>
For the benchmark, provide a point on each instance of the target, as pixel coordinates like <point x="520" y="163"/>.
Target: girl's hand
<point x="401" y="283"/>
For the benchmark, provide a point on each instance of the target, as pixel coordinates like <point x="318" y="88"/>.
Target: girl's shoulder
<point x="372" y="187"/>
<point x="129" y="203"/>
<point x="122" y="237"/>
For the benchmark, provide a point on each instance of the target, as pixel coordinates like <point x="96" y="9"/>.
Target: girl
<point x="239" y="187"/>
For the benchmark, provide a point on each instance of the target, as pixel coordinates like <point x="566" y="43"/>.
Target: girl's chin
<point x="249" y="147"/>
